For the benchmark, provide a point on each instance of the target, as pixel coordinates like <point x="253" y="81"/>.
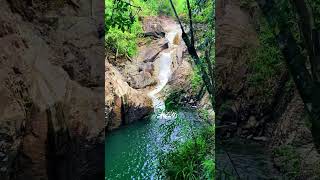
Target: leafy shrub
<point x="266" y="62"/>
<point x="192" y="159"/>
<point x="203" y="11"/>
<point x="196" y="79"/>
<point x="122" y="27"/>
<point x="148" y="8"/>
<point x="289" y="161"/>
<point x="125" y="42"/>
<point x="173" y="101"/>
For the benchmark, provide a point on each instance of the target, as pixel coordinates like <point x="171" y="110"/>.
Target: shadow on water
<point x="245" y="158"/>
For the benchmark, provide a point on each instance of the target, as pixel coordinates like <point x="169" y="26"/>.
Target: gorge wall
<point x="274" y="117"/>
<point x="52" y="84"/>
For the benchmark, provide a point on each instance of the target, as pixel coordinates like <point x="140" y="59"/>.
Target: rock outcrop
<point x="124" y="104"/>
<point x="51" y="116"/>
<point x="152" y="27"/>
<point x="139" y="73"/>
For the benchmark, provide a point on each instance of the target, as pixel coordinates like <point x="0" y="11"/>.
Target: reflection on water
<point x="248" y="159"/>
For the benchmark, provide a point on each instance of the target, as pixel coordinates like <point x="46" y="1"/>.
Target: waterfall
<point x="165" y="72"/>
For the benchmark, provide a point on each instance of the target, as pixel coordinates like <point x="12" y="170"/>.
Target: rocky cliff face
<point x="51" y="117"/>
<point x="277" y="117"/>
<point x="124" y="104"/>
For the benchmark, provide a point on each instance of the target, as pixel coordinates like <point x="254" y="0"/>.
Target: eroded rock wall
<point x="276" y="119"/>
<point x="124" y="104"/>
<point x="52" y="118"/>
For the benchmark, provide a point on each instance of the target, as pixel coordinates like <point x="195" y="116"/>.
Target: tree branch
<point x="310" y="35"/>
<point x="306" y="22"/>
<point x="190" y="22"/>
<point x="176" y="14"/>
<point x="308" y="88"/>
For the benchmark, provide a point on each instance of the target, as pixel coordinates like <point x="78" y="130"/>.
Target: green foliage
<point x="289" y="160"/>
<point x="173" y="101"/>
<point x="164" y="8"/>
<point x="204" y="14"/>
<point x="122" y="27"/>
<point x="196" y="79"/>
<point x="118" y="14"/>
<point x="266" y="63"/>
<point x="204" y="114"/>
<point x="193" y="158"/>
<point x="124" y="42"/>
<point x="148" y="7"/>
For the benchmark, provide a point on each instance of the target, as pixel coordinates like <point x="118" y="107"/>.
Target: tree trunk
<point x="307" y="84"/>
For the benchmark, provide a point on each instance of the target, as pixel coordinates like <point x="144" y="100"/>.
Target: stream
<point x="131" y="151"/>
<point x="244" y="158"/>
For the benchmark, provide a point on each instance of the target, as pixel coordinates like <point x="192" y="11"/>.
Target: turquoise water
<point x="132" y="151"/>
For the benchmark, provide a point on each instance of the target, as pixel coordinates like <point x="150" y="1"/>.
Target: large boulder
<point x="124" y="104"/>
<point x="152" y="27"/>
<point x="139" y="73"/>
<point x="149" y="52"/>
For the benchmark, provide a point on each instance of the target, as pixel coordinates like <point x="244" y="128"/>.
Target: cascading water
<point x="164" y="72"/>
<point x="131" y="152"/>
<point x="163" y="77"/>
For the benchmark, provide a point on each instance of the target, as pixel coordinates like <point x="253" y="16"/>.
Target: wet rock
<point x="139" y="76"/>
<point x="141" y="80"/>
<point x="180" y="76"/>
<point x="233" y="25"/>
<point x="124" y="104"/>
<point x="150" y="52"/>
<point x="152" y="27"/>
